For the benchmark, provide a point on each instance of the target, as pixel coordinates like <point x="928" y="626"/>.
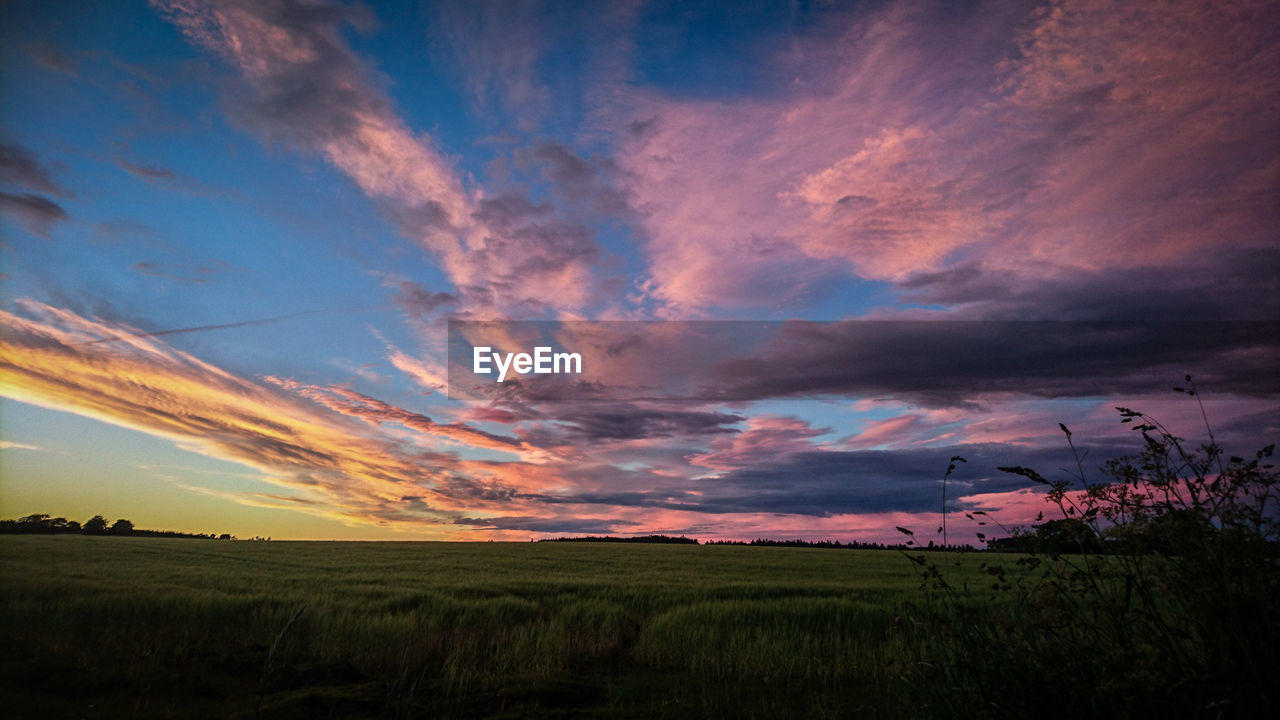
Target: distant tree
<point x="1065" y="535"/>
<point x="34" y="523"/>
<point x="42" y="524"/>
<point x="1017" y="542"/>
<point x="1173" y="532"/>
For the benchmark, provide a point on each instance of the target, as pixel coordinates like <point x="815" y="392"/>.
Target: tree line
<point x="659" y="539"/>
<point x="758" y="542"/>
<point x="823" y="544"/>
<point x="42" y="524"/>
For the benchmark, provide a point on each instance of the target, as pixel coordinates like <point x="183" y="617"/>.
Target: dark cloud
<point x="148" y="172"/>
<point x="561" y="246"/>
<point x="561" y="423"/>
<point x="52" y="57"/>
<point x="593" y="184"/>
<point x="1229" y="284"/>
<point x="418" y="302"/>
<point x="1235" y="435"/>
<point x="20" y="166"/>
<point x="831" y="483"/>
<point x="547" y="525"/>
<point x="533" y="241"/>
<point x="166" y="178"/>
<point x="324" y="91"/>
<point x="640" y="128"/>
<point x="667" y="499"/>
<point x="412" y="220"/>
<point x="508" y="211"/>
<point x="516" y="225"/>
<point x="826" y="483"/>
<point x="36" y="213"/>
<point x="196" y="275"/>
<point x="961" y="284"/>
<point x="460" y="487"/>
<point x="562" y="165"/>
<point x="940" y="362"/>
<point x="952" y="362"/>
<point x="629" y="421"/>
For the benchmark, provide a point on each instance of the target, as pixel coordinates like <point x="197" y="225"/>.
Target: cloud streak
<point x="38" y="214"/>
<point x="20" y="166"/>
<point x="55" y="359"/>
<point x="118" y="336"/>
<point x="303" y="85"/>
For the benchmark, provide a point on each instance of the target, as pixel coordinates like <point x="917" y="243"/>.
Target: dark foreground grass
<point x="105" y="627"/>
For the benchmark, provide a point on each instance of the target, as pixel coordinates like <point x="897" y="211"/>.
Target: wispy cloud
<point x="20" y="166"/>
<point x="306" y="87"/>
<point x="37" y="213"/>
<point x="375" y="412"/>
<point x="58" y="359"/>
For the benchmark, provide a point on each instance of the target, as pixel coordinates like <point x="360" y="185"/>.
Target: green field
<point x="104" y="627"/>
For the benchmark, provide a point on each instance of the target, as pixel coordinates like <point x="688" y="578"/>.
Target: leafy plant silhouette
<point x="1154" y="593"/>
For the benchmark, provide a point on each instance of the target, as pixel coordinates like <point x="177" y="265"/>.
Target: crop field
<point x="107" y="627"/>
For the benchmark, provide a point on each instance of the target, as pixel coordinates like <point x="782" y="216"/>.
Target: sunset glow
<point x="232" y="234"/>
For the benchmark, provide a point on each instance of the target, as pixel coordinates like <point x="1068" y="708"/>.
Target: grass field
<point x="105" y="627"/>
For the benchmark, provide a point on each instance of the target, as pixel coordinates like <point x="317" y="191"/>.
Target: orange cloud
<point x="328" y="462"/>
<point x="375" y="412"/>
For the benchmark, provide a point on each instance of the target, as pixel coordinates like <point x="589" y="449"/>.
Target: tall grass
<point x="1157" y="596"/>
<point x="156" y="628"/>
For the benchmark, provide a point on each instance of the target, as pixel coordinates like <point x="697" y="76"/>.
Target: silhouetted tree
<point x="1065" y="535"/>
<point x="42" y="524"/>
<point x="34" y="523"/>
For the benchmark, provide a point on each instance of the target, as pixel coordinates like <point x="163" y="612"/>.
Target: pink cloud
<point x="1086" y="135"/>
<point x="767" y="437"/>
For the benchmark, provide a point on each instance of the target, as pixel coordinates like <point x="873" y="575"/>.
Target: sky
<point x="233" y="234"/>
